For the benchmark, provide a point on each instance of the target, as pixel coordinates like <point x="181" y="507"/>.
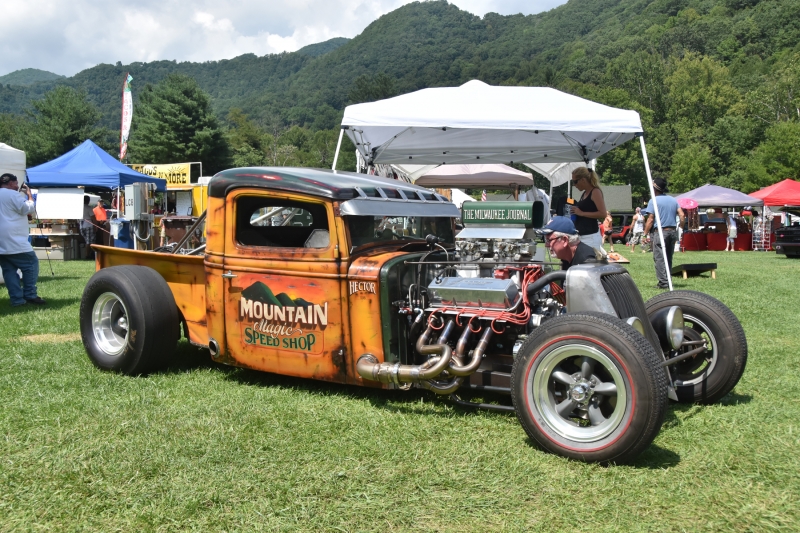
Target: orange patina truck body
<point x="305" y="312"/>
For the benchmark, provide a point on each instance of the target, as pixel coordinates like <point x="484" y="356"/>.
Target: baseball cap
<point x="560" y="225"/>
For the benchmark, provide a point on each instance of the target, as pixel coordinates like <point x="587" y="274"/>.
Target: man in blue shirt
<point x="668" y="209"/>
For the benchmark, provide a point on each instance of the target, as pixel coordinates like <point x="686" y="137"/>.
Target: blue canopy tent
<point x="88" y="165"/>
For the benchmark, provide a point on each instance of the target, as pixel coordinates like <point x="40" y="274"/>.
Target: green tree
<point x="691" y="168"/>
<point x="12" y="129"/>
<point x="778" y="98"/>
<point x="59" y="122"/>
<point x="699" y="91"/>
<point x="246" y="140"/>
<point x="173" y="122"/>
<point x="368" y="88"/>
<point x="775" y="159"/>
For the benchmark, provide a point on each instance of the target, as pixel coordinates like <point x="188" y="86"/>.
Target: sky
<point x="66" y="37"/>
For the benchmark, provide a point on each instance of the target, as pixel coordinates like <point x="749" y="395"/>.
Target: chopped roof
<point x="315" y="182"/>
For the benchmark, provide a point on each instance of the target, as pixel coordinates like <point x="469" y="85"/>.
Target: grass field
<point x="210" y="448"/>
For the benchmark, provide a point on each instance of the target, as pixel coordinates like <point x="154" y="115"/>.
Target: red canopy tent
<point x="786" y="192"/>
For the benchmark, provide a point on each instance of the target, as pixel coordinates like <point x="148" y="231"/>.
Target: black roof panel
<point x="323" y="183"/>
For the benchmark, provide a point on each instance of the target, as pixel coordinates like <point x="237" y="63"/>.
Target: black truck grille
<point x="627" y="302"/>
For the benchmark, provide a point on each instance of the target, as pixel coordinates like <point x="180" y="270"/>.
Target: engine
<point x="462" y="314"/>
<point x="497" y="233"/>
<point x="482" y="298"/>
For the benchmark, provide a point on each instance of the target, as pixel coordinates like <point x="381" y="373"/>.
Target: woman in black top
<point x="590" y="208"/>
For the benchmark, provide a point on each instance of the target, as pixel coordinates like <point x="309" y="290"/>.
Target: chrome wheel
<point x="696" y="369"/>
<point x="110" y="323"/>
<point x="580" y="392"/>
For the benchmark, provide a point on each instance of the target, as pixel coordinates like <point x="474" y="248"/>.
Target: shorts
<point x="636" y="238"/>
<point x="593" y="240"/>
<point x="609" y="232"/>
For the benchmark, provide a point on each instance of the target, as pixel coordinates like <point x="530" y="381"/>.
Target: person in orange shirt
<point x="102" y="221"/>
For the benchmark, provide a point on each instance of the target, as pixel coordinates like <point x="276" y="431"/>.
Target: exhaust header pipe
<point x="369" y="368"/>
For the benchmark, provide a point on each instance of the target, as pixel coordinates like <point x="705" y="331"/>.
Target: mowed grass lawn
<point x="211" y="448"/>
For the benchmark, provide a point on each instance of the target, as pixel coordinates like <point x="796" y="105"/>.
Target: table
<point x="693" y="241"/>
<point x="694" y="269"/>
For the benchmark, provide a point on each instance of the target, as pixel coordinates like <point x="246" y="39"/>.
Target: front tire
<point x="129" y="320"/>
<point x="589" y="387"/>
<point x="708" y="376"/>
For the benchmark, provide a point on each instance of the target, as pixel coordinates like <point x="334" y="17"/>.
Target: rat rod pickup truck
<point x="362" y="280"/>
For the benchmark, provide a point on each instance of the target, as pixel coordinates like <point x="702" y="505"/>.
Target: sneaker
<point x="36" y="301"/>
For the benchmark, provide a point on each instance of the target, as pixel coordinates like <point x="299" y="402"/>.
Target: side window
<point x="274" y="223"/>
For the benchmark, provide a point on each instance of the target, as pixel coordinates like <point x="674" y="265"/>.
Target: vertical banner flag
<point x="483" y="195"/>
<point x="127" y="114"/>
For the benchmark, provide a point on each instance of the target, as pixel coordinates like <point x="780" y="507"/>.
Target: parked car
<point x="787" y="238"/>
<point x="621" y="227"/>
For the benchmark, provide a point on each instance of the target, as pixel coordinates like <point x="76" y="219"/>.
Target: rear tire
<point x="588" y="387"/>
<point x="707" y="377"/>
<point x="129" y="320"/>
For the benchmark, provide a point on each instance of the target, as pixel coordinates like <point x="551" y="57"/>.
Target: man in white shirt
<point x="15" y="250"/>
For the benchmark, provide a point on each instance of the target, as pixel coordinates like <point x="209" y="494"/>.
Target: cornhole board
<point x="695" y="269"/>
<point x="620" y="260"/>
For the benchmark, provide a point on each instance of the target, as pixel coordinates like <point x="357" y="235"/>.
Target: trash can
<point x="121" y="231"/>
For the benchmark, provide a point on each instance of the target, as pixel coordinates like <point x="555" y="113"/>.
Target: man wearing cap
<point x="563" y="240"/>
<point x="16" y="253"/>
<point x="102" y="221"/>
<point x="668" y="209"/>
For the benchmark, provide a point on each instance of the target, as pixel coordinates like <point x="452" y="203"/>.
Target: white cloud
<point x="66" y="37"/>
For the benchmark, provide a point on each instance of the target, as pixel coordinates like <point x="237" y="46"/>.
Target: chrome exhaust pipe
<point x="213" y="347"/>
<point x="369" y="368"/>
<point x="458" y="368"/>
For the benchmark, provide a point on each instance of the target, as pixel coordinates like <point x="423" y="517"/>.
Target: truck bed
<point x="185" y="275"/>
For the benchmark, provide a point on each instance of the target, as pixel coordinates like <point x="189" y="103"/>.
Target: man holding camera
<point x="16" y="253"/>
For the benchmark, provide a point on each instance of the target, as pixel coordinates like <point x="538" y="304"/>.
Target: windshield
<point x="369" y="229"/>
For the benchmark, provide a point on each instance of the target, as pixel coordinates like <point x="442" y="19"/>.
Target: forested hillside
<point x="28" y="76"/>
<point x="717" y="82"/>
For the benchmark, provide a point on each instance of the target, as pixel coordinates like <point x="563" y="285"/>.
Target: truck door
<point x="283" y="286"/>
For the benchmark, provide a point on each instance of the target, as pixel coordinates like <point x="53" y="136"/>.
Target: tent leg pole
<point x="338" y="146"/>
<point x="655" y="208"/>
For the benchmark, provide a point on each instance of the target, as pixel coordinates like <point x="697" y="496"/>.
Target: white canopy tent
<point x="482" y="123"/>
<point x="479" y="123"/>
<point x="12" y="161"/>
<point x="496" y="175"/>
<point x="459" y="197"/>
<point x="556" y="173"/>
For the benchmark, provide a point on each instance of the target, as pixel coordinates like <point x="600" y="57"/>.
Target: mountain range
<point x="434" y="43"/>
<point x="716" y="82"/>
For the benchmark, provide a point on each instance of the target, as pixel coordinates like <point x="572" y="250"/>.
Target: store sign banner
<point x="176" y="174"/>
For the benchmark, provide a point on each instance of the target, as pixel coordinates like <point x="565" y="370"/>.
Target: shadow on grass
<point x="52" y="304"/>
<point x="46" y="277"/>
<point x="733" y="398"/>
<point x="414" y="401"/>
<point x="688" y="410"/>
<point x="655" y="457"/>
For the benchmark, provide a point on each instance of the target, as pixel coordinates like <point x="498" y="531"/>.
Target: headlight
<point x="636" y="324"/>
<point x="674" y="325"/>
<point x="668" y="323"/>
